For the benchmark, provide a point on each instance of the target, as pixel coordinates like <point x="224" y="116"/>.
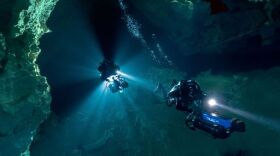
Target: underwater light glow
<point x="212" y="102"/>
<point x="125" y="75"/>
<point x="110" y="78"/>
<point x="213" y="114"/>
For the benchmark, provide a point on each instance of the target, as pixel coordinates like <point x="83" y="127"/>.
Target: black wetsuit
<point x="184" y="94"/>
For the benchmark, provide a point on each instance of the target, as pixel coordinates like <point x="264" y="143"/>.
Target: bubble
<point x="134" y="27"/>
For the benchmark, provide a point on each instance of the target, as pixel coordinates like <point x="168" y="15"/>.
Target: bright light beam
<point x="126" y="75"/>
<point x="137" y="80"/>
<point x="264" y="121"/>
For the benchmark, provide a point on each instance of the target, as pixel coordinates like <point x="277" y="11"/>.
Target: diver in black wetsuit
<point x="188" y="97"/>
<point x="117" y="84"/>
<point x="184" y="95"/>
<point x="107" y="68"/>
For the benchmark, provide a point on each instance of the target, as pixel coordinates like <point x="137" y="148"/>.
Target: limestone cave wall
<point x="24" y="93"/>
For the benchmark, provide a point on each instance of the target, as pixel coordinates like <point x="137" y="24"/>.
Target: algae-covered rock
<point x="24" y="93"/>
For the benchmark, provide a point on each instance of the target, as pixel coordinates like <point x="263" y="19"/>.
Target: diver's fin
<point x="218" y="6"/>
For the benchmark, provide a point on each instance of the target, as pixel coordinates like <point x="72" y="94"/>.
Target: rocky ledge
<point x="24" y="93"/>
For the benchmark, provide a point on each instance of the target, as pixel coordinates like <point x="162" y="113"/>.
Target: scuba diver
<point x="107" y="68"/>
<point x="117" y="83"/>
<point x="187" y="96"/>
<point x="109" y="73"/>
<point x="184" y="94"/>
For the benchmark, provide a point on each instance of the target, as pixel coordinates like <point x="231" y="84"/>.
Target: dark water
<point x="88" y="120"/>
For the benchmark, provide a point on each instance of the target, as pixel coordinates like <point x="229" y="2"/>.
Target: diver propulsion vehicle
<point x="187" y="96"/>
<point x="210" y="122"/>
<point x="215" y="125"/>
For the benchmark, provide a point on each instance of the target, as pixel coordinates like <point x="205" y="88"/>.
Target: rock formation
<point x="193" y="29"/>
<point x="24" y="93"/>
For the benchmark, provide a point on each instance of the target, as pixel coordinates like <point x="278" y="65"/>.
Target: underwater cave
<point x="139" y="77"/>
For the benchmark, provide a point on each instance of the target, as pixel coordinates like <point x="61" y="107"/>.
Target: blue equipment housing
<point x="218" y="127"/>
